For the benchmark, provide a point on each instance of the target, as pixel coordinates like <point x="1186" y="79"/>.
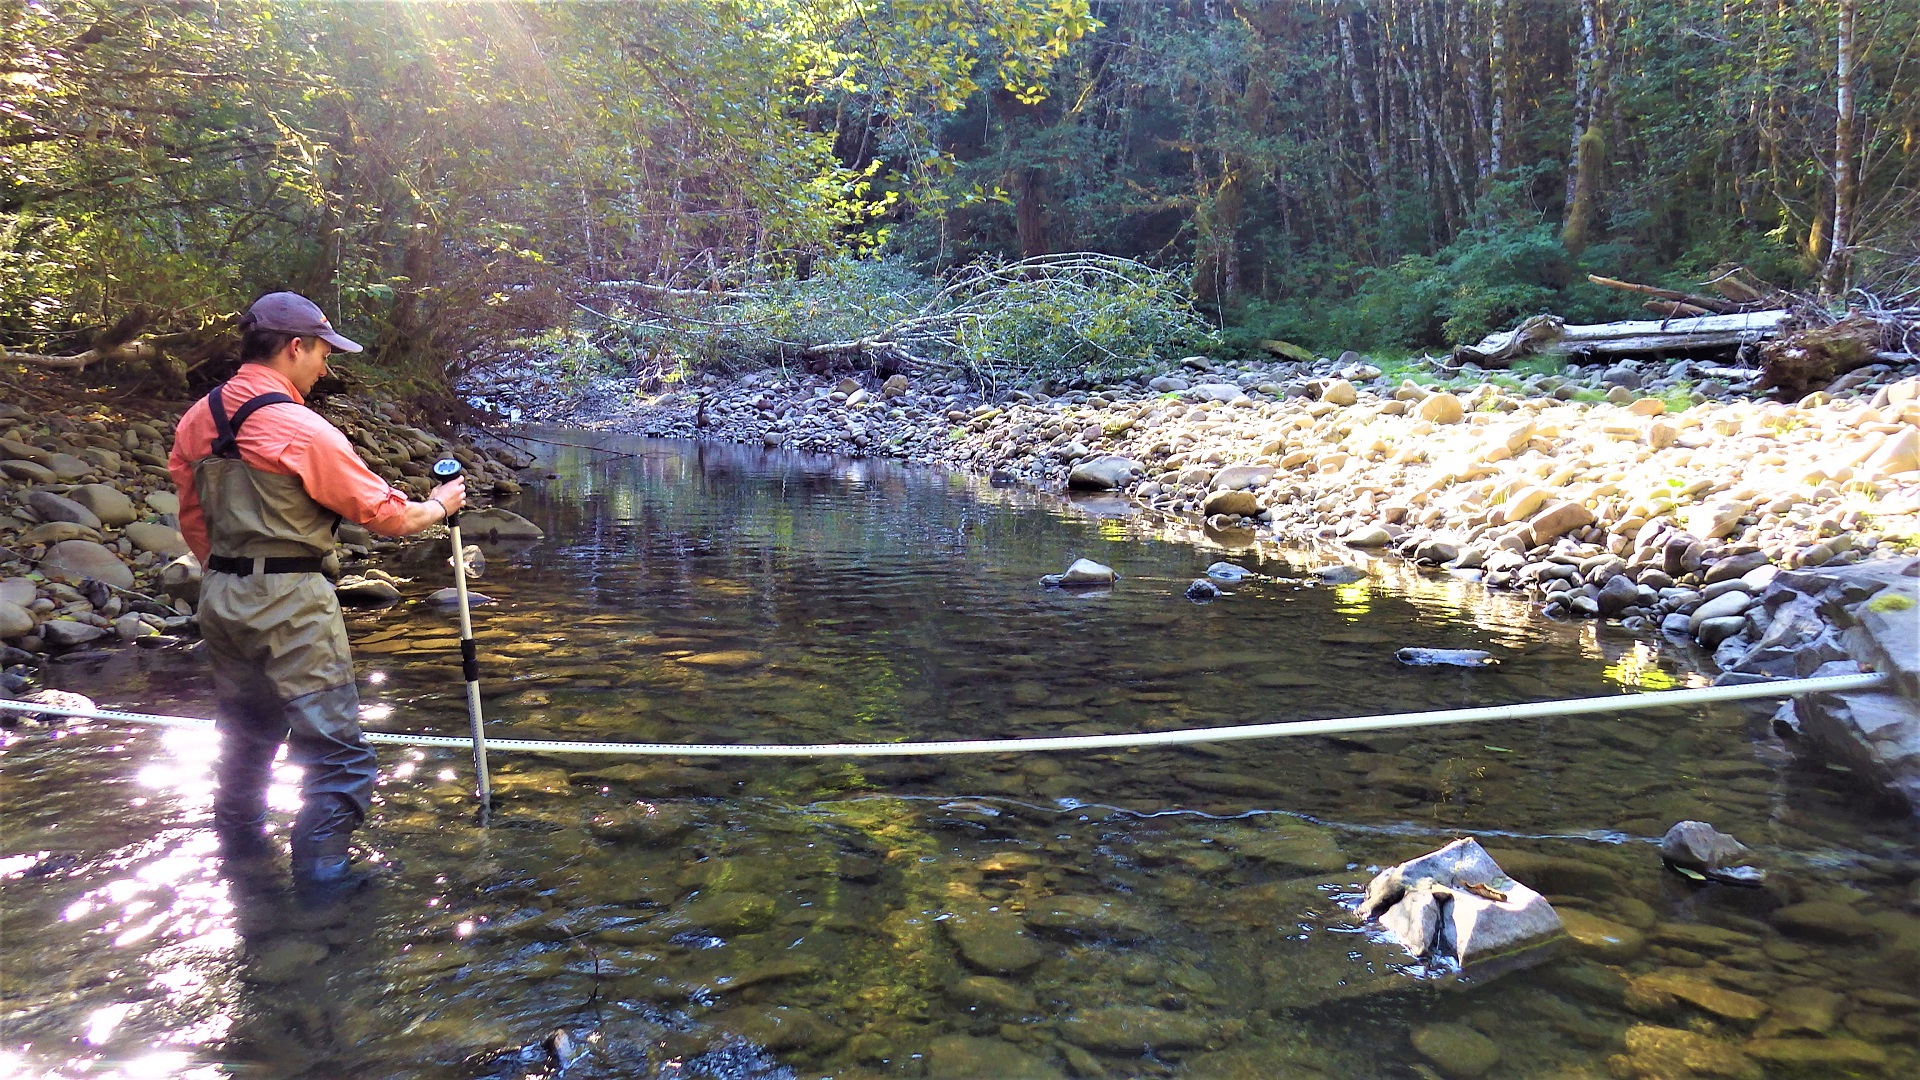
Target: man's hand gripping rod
<point x="444" y="471"/>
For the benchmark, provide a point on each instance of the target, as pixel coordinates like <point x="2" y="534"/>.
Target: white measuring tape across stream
<point x="1664" y="699"/>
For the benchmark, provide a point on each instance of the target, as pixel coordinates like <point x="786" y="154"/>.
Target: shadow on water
<point x="1154" y="912"/>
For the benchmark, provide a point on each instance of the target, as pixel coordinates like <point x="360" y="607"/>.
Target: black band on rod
<point x="469" y="660"/>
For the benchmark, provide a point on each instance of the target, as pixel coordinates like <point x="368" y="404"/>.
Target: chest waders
<point x="281" y="666"/>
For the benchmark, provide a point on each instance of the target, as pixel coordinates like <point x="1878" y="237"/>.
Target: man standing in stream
<point x="263" y="481"/>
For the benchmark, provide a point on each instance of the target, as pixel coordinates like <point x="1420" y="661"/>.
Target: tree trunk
<point x="1475" y="92"/>
<point x="1363" y="113"/>
<point x="1834" y="282"/>
<point x="1589" y="144"/>
<point x="1030" y="212"/>
<point x="1502" y="80"/>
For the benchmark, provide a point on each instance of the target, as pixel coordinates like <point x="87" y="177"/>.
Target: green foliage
<point x="842" y="299"/>
<point x="439" y="175"/>
<point x="1487" y="280"/>
<point x="1067" y="318"/>
<point x="1085" y="321"/>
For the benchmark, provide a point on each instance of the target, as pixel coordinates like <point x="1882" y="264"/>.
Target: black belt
<point x="289" y="564"/>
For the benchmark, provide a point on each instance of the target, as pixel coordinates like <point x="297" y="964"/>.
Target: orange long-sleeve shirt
<point x="287" y="440"/>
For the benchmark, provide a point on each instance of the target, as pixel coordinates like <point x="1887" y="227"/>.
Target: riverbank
<point x="1639" y="506"/>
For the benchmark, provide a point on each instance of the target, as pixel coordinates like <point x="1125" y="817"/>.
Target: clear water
<point x="1137" y="913"/>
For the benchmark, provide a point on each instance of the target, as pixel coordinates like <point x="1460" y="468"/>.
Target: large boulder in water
<point x="1458" y="902"/>
<point x="366" y="592"/>
<point x="1463" y="658"/>
<point x="494" y="523"/>
<point x="1707" y="852"/>
<point x="1082" y="573"/>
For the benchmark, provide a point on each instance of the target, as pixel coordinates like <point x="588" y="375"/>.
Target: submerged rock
<point x="1463" y="658"/>
<point x="963" y="1057"/>
<point x="994" y="942"/>
<point x="1456" y="1049"/>
<point x="1083" y="572"/>
<point x="1456" y="902"/>
<point x="1658" y="1053"/>
<point x="1202" y="589"/>
<point x="1603" y="939"/>
<point x="1136" y="1029"/>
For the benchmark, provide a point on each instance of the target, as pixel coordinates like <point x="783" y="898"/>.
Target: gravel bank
<point x="1657" y="495"/>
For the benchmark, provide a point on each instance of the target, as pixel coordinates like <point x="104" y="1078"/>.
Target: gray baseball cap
<point x="291" y="313"/>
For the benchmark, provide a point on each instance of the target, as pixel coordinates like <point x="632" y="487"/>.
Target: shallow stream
<point x="1138" y="913"/>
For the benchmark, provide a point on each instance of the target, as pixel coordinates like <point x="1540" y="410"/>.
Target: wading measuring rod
<point x="445" y="470"/>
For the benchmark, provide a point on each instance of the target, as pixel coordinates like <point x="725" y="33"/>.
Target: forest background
<point x="720" y="180"/>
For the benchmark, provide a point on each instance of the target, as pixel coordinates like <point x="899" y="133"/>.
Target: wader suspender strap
<point x="226" y="430"/>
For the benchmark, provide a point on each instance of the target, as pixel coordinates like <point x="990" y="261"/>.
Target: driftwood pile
<point x="1794" y="343"/>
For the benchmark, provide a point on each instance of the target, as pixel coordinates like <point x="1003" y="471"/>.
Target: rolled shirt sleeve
<point x="338" y="480"/>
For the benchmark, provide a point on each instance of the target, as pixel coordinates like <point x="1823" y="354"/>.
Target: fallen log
<point x="138" y="351"/>
<point x="1671" y="335"/>
<point x="168" y="356"/>
<point x="1546" y="335"/>
<point x="1501" y="349"/>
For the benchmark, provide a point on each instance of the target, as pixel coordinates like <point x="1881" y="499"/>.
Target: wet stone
<point x="995" y="942"/>
<point x="729" y="913"/>
<point x="1818" y="1057"/>
<point x="1824" y="920"/>
<point x="993" y="996"/>
<point x="1654" y="993"/>
<point x="1662" y="1053"/>
<point x="1803" y="1010"/>
<point x="1128" y="1029"/>
<point x="532" y="781"/>
<point x="1702" y="936"/>
<point x="963" y="1057"/>
<point x="1261" y="1061"/>
<point x="1456" y="1050"/>
<point x="643" y="824"/>
<point x="1299" y="845"/>
<point x="1089" y="916"/>
<point x="779" y="970"/>
<point x="286" y="961"/>
<point x="784" y="1028"/>
<point x="1602" y="939"/>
